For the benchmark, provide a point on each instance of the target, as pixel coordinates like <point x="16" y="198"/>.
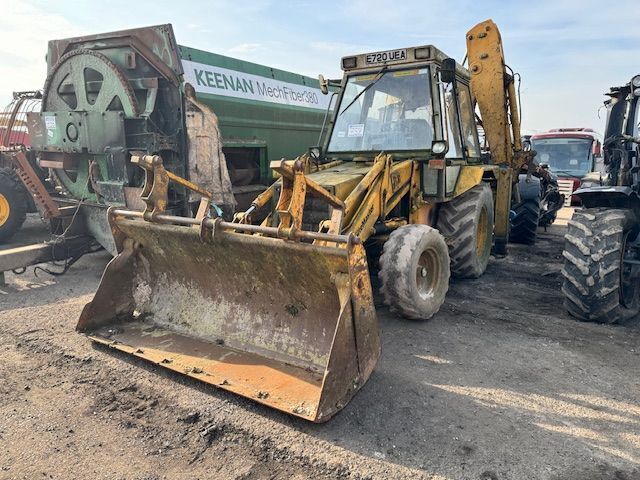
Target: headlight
<point x="349" y="62"/>
<point x="636" y="81"/>
<point x="315" y="152"/>
<point x="422" y="53"/>
<point x="636" y="92"/>
<point x="439" y="147"/>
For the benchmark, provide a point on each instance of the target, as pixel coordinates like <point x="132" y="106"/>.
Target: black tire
<point x="467" y="225"/>
<point x="524" y="225"/>
<point x="414" y="271"/>
<point x="596" y="286"/>
<point x="13" y="204"/>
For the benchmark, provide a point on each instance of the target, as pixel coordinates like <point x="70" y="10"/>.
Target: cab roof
<point x="396" y="57"/>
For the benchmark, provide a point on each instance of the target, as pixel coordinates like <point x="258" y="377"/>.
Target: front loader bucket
<point x="291" y="325"/>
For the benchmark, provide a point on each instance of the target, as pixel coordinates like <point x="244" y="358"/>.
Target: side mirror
<point x="315" y="153"/>
<point x="324" y="84"/>
<point x="448" y="70"/>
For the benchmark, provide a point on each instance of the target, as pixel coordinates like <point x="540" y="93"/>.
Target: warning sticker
<point x="50" y="125"/>
<point x="50" y="122"/>
<point x="356" y="130"/>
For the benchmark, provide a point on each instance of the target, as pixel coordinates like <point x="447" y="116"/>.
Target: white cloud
<point x="569" y="52"/>
<point x="339" y="48"/>
<point x="245" y="48"/>
<point x="25" y="32"/>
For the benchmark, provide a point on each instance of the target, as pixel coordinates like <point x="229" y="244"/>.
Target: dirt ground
<point x="500" y="384"/>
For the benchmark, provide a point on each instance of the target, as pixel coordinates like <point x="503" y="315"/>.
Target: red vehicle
<point x="570" y="154"/>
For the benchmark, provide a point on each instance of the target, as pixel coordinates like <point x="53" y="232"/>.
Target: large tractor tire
<point x="414" y="271"/>
<point x="524" y="224"/>
<point x="13" y="204"/>
<point x="599" y="286"/>
<point x="467" y="225"/>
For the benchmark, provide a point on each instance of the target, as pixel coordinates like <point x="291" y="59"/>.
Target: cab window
<point x="467" y="117"/>
<point x="450" y="109"/>
<point x="390" y="111"/>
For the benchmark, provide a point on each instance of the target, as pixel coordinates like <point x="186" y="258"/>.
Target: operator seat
<point x="419" y="133"/>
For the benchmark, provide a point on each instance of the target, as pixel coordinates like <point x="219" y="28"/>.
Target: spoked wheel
<point x="86" y="81"/>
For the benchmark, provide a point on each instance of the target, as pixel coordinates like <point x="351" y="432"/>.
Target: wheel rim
<point x="427" y="273"/>
<point x="628" y="275"/>
<point x="5" y="210"/>
<point x="482" y="233"/>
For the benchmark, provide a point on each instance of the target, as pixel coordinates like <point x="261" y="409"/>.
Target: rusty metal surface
<point x="155" y="191"/>
<point x="244" y="373"/>
<point x="19" y="257"/>
<point x="157" y="44"/>
<point x="45" y="204"/>
<point x="276" y="316"/>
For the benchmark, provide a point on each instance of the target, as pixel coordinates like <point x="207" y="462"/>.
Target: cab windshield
<point x="388" y="111"/>
<point x="564" y="156"/>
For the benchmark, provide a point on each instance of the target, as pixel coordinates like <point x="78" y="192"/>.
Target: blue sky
<point x="568" y="52"/>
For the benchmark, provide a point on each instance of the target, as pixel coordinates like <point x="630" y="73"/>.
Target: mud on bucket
<point x="288" y="324"/>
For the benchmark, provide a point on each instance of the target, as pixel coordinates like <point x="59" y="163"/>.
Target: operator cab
<point x="395" y="113"/>
<point x="398" y="102"/>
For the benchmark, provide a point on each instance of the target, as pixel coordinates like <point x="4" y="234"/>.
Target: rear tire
<point x="414" y="271"/>
<point x="13" y="204"/>
<point x="467" y="225"/>
<point x="525" y="224"/>
<point x="597" y="284"/>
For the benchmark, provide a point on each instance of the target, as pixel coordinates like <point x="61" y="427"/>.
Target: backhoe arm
<point x="494" y="90"/>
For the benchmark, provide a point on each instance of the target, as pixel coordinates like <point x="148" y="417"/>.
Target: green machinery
<point x="111" y="95"/>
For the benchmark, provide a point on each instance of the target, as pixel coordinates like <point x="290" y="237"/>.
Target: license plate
<point x="384" y="57"/>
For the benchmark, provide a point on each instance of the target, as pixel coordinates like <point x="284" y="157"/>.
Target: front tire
<point x="414" y="271"/>
<point x="467" y="225"/>
<point x="598" y="285"/>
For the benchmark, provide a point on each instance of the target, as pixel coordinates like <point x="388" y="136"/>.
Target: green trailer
<point x="264" y="113"/>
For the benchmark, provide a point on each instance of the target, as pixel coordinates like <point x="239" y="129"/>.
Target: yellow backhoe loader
<point x="282" y="311"/>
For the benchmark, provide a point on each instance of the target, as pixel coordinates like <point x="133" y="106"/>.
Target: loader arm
<point x="372" y="199"/>
<point x="380" y="190"/>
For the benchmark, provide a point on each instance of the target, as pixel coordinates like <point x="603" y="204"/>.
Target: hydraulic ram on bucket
<point x="289" y="323"/>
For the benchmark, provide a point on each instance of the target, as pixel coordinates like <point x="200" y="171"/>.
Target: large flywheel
<point x="86" y="81"/>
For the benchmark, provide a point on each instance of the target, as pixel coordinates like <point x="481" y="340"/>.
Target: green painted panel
<point x="257" y="103"/>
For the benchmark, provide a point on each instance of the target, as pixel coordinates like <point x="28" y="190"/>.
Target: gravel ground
<point x="500" y="384"/>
